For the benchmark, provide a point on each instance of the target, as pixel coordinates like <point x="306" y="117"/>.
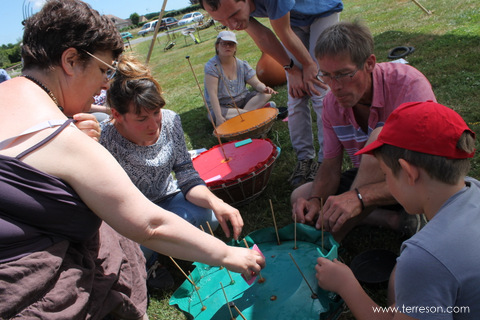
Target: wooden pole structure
<point x="152" y="44"/>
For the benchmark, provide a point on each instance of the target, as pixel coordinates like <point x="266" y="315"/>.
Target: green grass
<point x="447" y="51"/>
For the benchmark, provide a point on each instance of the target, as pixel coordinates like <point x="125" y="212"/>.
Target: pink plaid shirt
<point x="393" y="84"/>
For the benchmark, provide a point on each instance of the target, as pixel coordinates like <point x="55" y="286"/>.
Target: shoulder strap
<point x="35" y="128"/>
<point x="50" y="137"/>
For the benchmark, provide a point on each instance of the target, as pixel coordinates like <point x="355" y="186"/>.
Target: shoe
<point x="300" y="174"/>
<point x="313" y="171"/>
<point x="282" y="113"/>
<point x="158" y="277"/>
<point x="270" y="104"/>
<point x="412" y="224"/>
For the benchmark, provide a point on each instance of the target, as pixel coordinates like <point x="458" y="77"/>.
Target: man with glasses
<point x="362" y="95"/>
<point x="297" y="24"/>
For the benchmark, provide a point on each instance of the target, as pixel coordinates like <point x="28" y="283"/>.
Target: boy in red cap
<point x="424" y="150"/>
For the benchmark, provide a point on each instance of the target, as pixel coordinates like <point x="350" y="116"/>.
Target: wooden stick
<point x="321" y="218"/>
<point x="295" y="233"/>
<point x="228" y="90"/>
<point x="228" y="305"/>
<point x="314" y="295"/>
<point x="210" y="228"/>
<point x="208" y="110"/>
<point x="201" y="227"/>
<point x="274" y="221"/>
<point x="232" y="305"/>
<point x="262" y="279"/>
<point x="201" y="302"/>
<point x="193" y="283"/>
<point x="231" y="279"/>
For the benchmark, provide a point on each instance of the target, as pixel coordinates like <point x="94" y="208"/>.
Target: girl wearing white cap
<point x="226" y="77"/>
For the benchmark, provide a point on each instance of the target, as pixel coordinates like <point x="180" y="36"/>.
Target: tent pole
<point x="152" y="44"/>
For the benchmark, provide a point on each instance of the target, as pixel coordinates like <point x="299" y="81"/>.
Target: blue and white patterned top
<point x="150" y="167"/>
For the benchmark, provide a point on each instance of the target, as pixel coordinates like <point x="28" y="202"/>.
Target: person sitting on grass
<point x="226" y="77"/>
<point x="362" y="95"/>
<point x="424" y="151"/>
<point x="149" y="143"/>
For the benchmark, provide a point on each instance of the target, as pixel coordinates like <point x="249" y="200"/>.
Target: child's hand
<point x="333" y="275"/>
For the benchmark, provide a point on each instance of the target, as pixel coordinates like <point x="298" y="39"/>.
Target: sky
<point x="11" y="12"/>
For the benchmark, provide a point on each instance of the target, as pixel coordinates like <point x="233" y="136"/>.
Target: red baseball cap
<point x="426" y="127"/>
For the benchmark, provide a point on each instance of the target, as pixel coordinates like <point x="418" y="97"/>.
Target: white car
<point x="190" y="17"/>
<point x="148" y="27"/>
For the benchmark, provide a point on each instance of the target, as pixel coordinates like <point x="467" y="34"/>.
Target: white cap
<point x="227" y="36"/>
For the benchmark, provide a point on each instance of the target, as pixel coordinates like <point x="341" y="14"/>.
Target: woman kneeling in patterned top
<point x="148" y="142"/>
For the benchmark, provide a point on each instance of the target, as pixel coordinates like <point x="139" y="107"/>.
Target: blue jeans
<point x="190" y="212"/>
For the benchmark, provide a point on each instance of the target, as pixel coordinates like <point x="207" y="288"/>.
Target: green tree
<point x="135" y="18"/>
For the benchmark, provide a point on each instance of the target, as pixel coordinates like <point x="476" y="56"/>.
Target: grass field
<point x="447" y="51"/>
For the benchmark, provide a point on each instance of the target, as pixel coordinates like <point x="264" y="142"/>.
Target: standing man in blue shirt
<point x="297" y="23"/>
<point x="4" y="76"/>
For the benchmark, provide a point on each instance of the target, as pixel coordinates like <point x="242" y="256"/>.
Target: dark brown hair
<point x="352" y="38"/>
<point x="63" y="24"/>
<point x="134" y="82"/>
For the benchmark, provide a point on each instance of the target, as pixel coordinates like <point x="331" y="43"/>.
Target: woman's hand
<point x="88" y="124"/>
<point x="269" y="90"/>
<point x="246" y="261"/>
<point x="224" y="213"/>
<point x="219" y="120"/>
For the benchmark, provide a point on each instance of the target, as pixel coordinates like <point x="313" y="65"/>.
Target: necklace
<point x="44" y="87"/>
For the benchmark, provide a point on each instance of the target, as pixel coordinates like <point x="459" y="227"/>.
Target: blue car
<point x="126" y="35"/>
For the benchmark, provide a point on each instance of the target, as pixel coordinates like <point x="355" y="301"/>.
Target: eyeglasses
<point x="228" y="43"/>
<point x="112" y="70"/>
<point x="340" y="78"/>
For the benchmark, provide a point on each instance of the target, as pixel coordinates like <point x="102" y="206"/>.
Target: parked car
<point x="148" y="27"/>
<point x="168" y="22"/>
<point x="126" y="35"/>
<point x="190" y="17"/>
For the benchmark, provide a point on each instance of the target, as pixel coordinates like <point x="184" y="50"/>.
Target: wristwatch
<point x="289" y="66"/>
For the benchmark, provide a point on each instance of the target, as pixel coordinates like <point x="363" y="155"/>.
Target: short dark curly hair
<point x="63" y="24"/>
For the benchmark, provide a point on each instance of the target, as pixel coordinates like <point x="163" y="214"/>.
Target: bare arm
<point x="203" y="197"/>
<point x="325" y="184"/>
<point x="291" y="41"/>
<point x="260" y="86"/>
<point x="337" y="277"/>
<point x="266" y="40"/>
<point x="107" y="190"/>
<point x="371" y="184"/>
<point x="97" y="108"/>
<point x="211" y="85"/>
